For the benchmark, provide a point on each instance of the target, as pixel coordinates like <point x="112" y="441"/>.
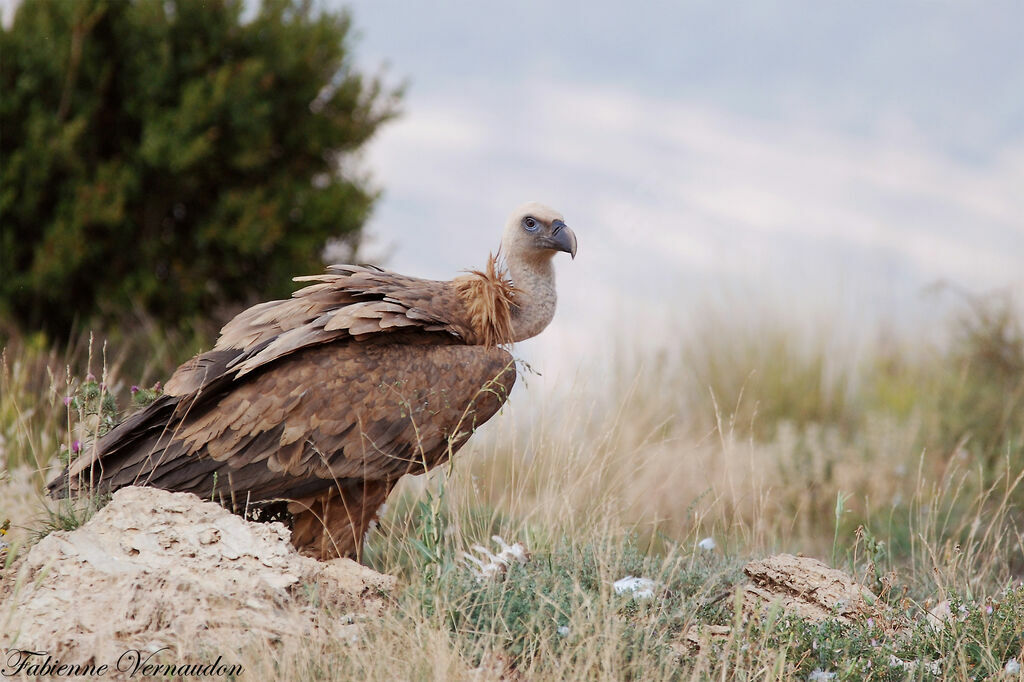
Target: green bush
<point x="981" y="403"/>
<point x="558" y="602"/>
<point x="168" y="154"/>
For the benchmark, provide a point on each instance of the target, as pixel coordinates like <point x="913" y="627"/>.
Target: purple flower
<point x="90" y="377"/>
<point x="76" y="446"/>
<point x="67" y="400"/>
<point x="135" y="389"/>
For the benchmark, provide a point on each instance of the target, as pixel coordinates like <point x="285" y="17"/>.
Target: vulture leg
<point x="332" y="524"/>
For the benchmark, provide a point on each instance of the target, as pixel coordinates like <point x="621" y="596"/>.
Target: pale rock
<point x="155" y="568"/>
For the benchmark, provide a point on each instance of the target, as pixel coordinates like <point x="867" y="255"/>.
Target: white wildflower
<point x="819" y="675"/>
<point x="639" y="588"/>
<point x="1012" y="667"/>
<point x="707" y="544"/>
<point x="489" y="565"/>
<point x="509" y="552"/>
<point x="482" y="570"/>
<point x="563" y="630"/>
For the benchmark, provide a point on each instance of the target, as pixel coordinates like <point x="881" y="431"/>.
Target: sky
<point x="830" y="157"/>
<point x="836" y="156"/>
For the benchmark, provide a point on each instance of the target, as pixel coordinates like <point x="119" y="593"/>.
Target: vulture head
<point x="535" y="231"/>
<point x="533" y="235"/>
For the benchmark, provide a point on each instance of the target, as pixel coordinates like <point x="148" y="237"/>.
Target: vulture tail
<point x="122" y="456"/>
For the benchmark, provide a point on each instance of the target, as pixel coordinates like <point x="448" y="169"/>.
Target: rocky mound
<point x="797" y="586"/>
<point x="806" y="588"/>
<point x="156" y="569"/>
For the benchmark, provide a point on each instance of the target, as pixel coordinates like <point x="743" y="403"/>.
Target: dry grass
<point x="767" y="442"/>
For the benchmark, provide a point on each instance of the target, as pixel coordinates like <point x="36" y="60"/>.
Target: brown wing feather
<point x="344" y="411"/>
<point x="346" y="302"/>
<point x="227" y="409"/>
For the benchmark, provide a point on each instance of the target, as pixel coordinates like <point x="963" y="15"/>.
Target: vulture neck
<point x="534" y="280"/>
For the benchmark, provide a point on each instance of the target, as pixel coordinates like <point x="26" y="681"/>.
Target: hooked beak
<point x="562" y="238"/>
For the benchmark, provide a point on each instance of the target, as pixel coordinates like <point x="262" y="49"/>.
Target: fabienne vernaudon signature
<point x="133" y="662"/>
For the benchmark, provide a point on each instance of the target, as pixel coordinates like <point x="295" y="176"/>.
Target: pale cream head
<point x="533" y="234"/>
<point x="535" y="231"/>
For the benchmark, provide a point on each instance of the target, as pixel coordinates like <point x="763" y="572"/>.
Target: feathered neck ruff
<point x="489" y="296"/>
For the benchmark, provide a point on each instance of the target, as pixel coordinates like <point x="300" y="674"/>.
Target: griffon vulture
<point x="323" y="401"/>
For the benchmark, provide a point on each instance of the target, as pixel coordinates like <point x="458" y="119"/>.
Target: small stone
<point x="638" y="588"/>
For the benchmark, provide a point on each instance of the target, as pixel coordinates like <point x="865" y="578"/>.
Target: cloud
<point x="672" y="199"/>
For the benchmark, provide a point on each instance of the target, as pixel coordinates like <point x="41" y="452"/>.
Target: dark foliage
<point x="168" y="154"/>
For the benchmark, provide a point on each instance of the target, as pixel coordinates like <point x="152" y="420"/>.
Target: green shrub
<point x="981" y="403"/>
<point x="562" y="600"/>
<point x="169" y="154"/>
<point x="756" y="371"/>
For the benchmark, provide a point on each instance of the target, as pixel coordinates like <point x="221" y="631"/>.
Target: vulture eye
<point x="530" y="223"/>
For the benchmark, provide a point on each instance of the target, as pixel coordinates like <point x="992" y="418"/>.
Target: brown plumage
<point x="323" y="401"/>
<point x="488" y="297"/>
